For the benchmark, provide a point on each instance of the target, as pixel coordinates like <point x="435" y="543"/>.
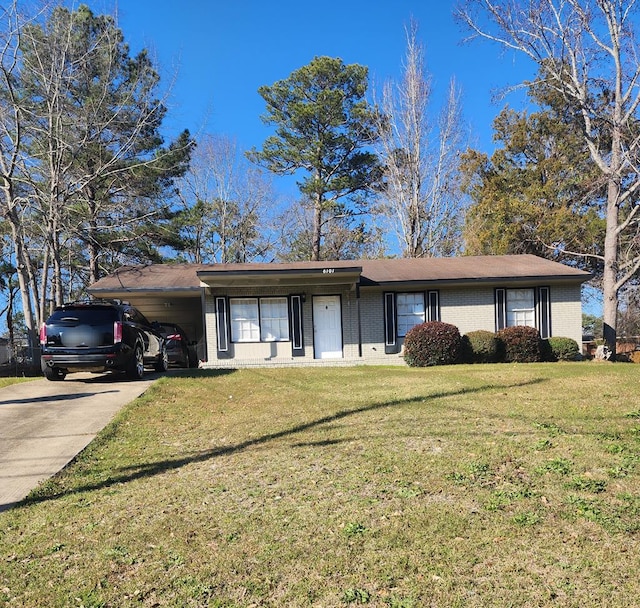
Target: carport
<point x="169" y="293"/>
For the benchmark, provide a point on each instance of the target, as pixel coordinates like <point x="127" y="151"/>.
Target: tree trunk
<point x="23" y="278"/>
<point x="92" y="235"/>
<point x="610" y="275"/>
<point x="317" y="231"/>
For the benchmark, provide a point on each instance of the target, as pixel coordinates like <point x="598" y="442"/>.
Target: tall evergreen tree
<point x="324" y="127"/>
<point x="540" y="191"/>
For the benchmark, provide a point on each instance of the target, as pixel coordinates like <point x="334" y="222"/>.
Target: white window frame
<point x="245" y="324"/>
<point x="259" y="319"/>
<point x="408" y="312"/>
<point x="274" y="319"/>
<point x="521" y="307"/>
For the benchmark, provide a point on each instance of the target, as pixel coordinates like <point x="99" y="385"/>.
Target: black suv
<point x="99" y="336"/>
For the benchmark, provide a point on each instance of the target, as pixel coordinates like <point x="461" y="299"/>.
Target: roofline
<point x="356" y="273"/>
<point x="363" y="282"/>
<point x="280" y="271"/>
<point x="186" y="290"/>
<point x="478" y="281"/>
<point x="289" y="277"/>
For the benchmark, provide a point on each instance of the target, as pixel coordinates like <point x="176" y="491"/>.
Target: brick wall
<point x="566" y="312"/>
<point x="372" y="321"/>
<point x="468" y="309"/>
<point x="472" y="309"/>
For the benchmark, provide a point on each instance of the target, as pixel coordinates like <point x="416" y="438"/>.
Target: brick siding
<point x="468" y="309"/>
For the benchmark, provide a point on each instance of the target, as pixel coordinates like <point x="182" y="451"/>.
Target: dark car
<point x="180" y="350"/>
<point x="99" y="336"/>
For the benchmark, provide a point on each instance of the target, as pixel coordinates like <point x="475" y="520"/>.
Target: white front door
<point x="327" y="327"/>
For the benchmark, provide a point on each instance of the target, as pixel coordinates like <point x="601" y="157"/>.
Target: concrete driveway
<point x="43" y="425"/>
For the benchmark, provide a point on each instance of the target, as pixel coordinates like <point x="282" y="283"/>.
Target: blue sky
<point x="216" y="53"/>
<point x="213" y="55"/>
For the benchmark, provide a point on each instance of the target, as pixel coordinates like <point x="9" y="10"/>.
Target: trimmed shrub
<point x="521" y="344"/>
<point x="483" y="346"/>
<point x="432" y="343"/>
<point x="563" y="349"/>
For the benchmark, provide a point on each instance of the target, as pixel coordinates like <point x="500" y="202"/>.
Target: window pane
<point x="520" y="307"/>
<point x="244" y="320"/>
<point x="410" y="311"/>
<point x="274" y="319"/>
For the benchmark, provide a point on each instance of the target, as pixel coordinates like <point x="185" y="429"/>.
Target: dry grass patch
<point x="493" y="485"/>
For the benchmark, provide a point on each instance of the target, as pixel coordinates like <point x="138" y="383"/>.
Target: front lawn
<point x="9" y="380"/>
<point x="470" y="486"/>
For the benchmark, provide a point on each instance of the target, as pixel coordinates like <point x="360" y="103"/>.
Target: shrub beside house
<point x="436" y="343"/>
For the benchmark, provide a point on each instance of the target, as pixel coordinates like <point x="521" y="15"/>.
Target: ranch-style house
<point x="307" y="313"/>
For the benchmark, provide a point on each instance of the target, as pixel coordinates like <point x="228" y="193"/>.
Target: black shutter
<point x="297" y="338"/>
<point x="433" y="298"/>
<point x="544" y="312"/>
<point x="390" y="330"/>
<point x="501" y="308"/>
<point x="222" y="328"/>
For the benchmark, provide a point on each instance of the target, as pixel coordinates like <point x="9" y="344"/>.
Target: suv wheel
<point x="135" y="369"/>
<point x="54" y="374"/>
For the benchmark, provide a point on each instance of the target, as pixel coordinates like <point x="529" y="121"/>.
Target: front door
<point x="327" y="327"/>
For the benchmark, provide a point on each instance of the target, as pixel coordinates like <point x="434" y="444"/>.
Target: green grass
<point x="13" y="380"/>
<point x="468" y="486"/>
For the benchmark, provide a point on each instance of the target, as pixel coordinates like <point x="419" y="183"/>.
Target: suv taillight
<point x="117" y="332"/>
<point x="43" y="333"/>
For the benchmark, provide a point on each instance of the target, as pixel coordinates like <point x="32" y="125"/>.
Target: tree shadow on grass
<point x="51" y="490"/>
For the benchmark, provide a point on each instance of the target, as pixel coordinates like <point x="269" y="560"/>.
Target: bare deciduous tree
<point x="83" y="167"/>
<point x="421" y="198"/>
<point x="94" y="119"/>
<point x="345" y="236"/>
<point x="12" y="155"/>
<point x="227" y="205"/>
<point x="587" y="50"/>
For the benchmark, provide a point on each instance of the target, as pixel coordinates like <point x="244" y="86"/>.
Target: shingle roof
<point x="466" y="269"/>
<point x="469" y="268"/>
<point x="153" y="277"/>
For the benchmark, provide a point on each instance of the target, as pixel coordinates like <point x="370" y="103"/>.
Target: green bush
<point x="482" y="346"/>
<point x="521" y="344"/>
<point x="563" y="349"/>
<point x="432" y="343"/>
